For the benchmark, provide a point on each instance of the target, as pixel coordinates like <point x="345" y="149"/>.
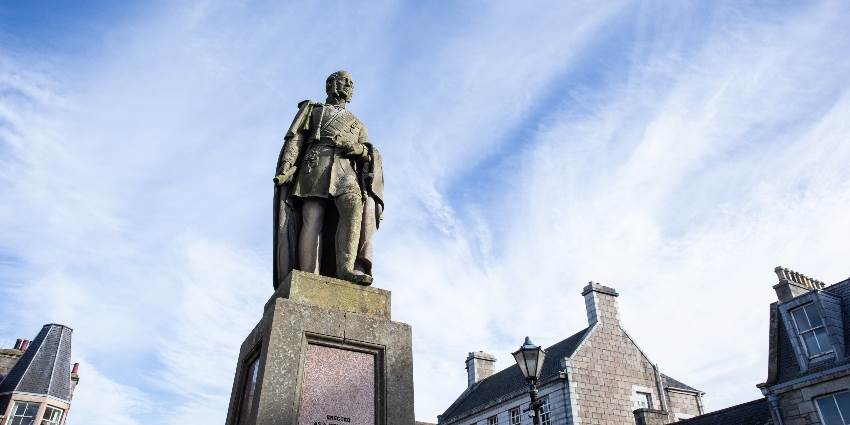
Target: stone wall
<point x="798" y="403"/>
<point x="605" y="374"/>
<point x="682" y="405"/>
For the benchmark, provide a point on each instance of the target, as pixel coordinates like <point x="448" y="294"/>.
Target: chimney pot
<point x="25" y="344"/>
<point x="76" y="368"/>
<point x="18" y="343"/>
<point x="793" y="284"/>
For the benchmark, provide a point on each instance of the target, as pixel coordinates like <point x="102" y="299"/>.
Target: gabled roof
<point x="509" y="382"/>
<point x="756" y="412"/>
<point x="45" y="368"/>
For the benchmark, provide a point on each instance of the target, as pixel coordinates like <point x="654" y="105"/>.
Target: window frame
<point x="813" y="330"/>
<point x="13" y="415"/>
<point x="545" y="411"/>
<point x="515" y="413"/>
<point x="47" y="410"/>
<point x="639" y="398"/>
<point x="837" y="408"/>
<point x="493" y="420"/>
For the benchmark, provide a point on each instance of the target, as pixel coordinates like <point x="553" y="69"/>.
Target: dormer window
<point x="811" y="330"/>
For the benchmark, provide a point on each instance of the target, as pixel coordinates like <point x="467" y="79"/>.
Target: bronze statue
<point x="329" y="189"/>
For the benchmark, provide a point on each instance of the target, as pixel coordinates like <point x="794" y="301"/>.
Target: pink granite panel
<point x="338" y="387"/>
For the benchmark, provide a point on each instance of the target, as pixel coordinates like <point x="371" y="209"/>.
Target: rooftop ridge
<point x="786" y="275"/>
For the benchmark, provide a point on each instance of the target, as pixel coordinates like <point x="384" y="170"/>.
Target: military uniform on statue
<point x="329" y="191"/>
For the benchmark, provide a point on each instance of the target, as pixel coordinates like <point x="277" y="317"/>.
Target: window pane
<point x="829" y="411"/>
<point x="544" y="412"/>
<point x="52" y="416"/>
<point x="811" y="344"/>
<point x="843" y="401"/>
<point x="23" y="420"/>
<point x="801" y="320"/>
<point x="644" y="400"/>
<point x="814" y="315"/>
<point x="823" y="339"/>
<point x="515" y="416"/>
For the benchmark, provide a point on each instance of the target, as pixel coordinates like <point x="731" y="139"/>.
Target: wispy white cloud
<point x="110" y="403"/>
<point x="677" y="154"/>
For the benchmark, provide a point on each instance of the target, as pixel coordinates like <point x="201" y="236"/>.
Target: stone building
<point x="37" y="380"/>
<point x="596" y="376"/>
<point x="808" y="378"/>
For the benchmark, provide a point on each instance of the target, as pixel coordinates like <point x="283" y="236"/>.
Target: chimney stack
<point x="479" y="365"/>
<point x="601" y="304"/>
<point x="25" y="344"/>
<point x="792" y="284"/>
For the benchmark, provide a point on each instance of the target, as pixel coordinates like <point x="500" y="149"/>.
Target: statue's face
<point x="344" y="87"/>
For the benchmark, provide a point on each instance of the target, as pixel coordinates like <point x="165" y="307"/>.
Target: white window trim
<point x="641" y="389"/>
<point x="544" y="402"/>
<point x="518" y="410"/>
<point x="800" y="333"/>
<point x="46" y="410"/>
<point x="15" y="403"/>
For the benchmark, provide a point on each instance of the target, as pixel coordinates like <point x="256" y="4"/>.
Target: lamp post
<point x="529" y="358"/>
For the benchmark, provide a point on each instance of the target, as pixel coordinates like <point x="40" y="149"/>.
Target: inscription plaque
<point x="338" y="387"/>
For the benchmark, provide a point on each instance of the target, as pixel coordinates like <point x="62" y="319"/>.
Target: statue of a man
<point x="328" y="197"/>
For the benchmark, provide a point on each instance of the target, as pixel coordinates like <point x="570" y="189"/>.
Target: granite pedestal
<point x="324" y="353"/>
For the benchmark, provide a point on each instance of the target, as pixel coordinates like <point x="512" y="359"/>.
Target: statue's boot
<point x="350" y="207"/>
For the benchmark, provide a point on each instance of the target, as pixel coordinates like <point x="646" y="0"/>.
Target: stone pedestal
<point x="324" y="353"/>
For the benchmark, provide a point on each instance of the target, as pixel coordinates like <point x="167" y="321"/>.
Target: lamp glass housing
<point x="530" y="358"/>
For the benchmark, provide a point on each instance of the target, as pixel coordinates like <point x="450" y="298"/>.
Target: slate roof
<point x="45" y="368"/>
<point x="756" y="412"/>
<point x="509" y="382"/>
<point x="787" y="366"/>
<point x="669" y="382"/>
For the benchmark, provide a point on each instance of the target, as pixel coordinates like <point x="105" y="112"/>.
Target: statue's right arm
<point x="291" y="149"/>
<point x="293" y="142"/>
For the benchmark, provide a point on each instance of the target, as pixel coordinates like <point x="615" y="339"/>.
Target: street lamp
<point x="529" y="358"/>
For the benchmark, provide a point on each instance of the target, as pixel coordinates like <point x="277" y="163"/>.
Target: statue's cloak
<point x="287" y="207"/>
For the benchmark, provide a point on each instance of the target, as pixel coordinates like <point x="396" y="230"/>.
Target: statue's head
<point x="340" y="85"/>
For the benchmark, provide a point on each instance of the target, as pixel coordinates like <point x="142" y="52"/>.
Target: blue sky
<point x="677" y="152"/>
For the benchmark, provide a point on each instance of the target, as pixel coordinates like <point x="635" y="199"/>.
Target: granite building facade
<point x="37" y="379"/>
<point x="599" y="375"/>
<point x="808" y="378"/>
